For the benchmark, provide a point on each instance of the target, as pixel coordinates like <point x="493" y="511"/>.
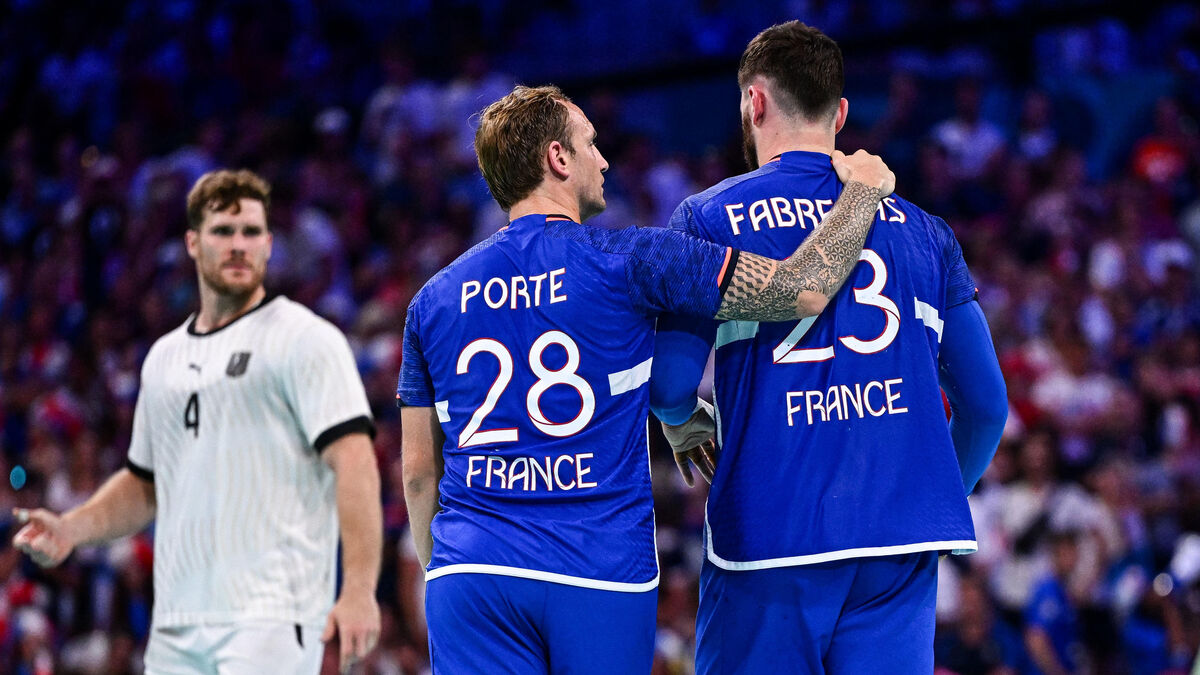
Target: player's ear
<point x="270" y="242"/>
<point x="842" y="112"/>
<point x="191" y="240"/>
<point x="556" y="159"/>
<point x="758" y="103"/>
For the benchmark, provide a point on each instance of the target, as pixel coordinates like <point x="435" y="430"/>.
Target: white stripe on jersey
<point x="539" y="575"/>
<point x="928" y="314"/>
<point x="246" y="522"/>
<point x="734" y="330"/>
<point x="631" y="378"/>
<point x="958" y="547"/>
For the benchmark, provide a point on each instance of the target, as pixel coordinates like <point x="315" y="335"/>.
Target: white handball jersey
<point x="230" y="425"/>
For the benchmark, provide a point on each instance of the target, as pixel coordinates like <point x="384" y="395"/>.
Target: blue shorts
<point x="484" y="623"/>
<point x="862" y="615"/>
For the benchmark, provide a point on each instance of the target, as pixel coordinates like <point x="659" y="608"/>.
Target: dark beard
<point x="748" y="148"/>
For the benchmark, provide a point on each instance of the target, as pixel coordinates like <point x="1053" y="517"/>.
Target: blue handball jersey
<point x="534" y="348"/>
<point x="834" y="440"/>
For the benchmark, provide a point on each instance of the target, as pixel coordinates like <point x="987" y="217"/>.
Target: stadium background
<point x="1058" y="138"/>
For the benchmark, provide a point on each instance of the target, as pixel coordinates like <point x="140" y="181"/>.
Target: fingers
<point x="39" y="539"/>
<point x="347" y="652"/>
<point x="705" y="460"/>
<point x="24" y="536"/>
<point x="330" y="629"/>
<point x="355" y="645"/>
<point x="372" y="641"/>
<point x="842" y="165"/>
<point x="685" y="469"/>
<point x="865" y="168"/>
<point x="889" y="182"/>
<point x="39" y="517"/>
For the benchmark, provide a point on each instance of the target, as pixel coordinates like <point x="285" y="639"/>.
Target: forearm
<point x="421" y="463"/>
<point x="124" y="505"/>
<point x="360" y="518"/>
<point x="421" y="497"/>
<point x="763" y="289"/>
<point x="681" y="349"/>
<point x="970" y="375"/>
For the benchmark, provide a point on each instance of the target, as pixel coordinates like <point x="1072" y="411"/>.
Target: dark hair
<point x="803" y="64"/>
<point x="217" y="191"/>
<point x="512" y="135"/>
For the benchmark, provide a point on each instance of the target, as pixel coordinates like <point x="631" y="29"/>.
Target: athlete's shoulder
<point x="173" y="340"/>
<point x="908" y="207"/>
<point x="731" y="184"/>
<point x="917" y="224"/>
<point x="432" y="290"/>
<point x="282" y="307"/>
<point x="690" y="213"/>
<point x="618" y="241"/>
<point x="284" y="314"/>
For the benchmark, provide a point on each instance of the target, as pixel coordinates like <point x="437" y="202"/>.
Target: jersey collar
<point x="191" y="327"/>
<point x="804" y="160"/>
<point x="539" y="219"/>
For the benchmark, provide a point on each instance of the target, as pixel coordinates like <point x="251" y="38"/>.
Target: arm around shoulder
<point x="763" y="289"/>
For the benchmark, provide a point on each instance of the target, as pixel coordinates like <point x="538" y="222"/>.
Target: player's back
<point x="537" y="351"/>
<point x="833" y="437"/>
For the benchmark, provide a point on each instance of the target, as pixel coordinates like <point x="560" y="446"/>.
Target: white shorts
<point x="249" y="648"/>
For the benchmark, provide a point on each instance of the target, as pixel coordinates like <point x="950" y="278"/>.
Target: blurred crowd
<point x="1072" y="179"/>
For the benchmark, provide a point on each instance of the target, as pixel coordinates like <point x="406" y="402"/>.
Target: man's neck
<point x="771" y="143"/>
<point x="218" y="310"/>
<point x="545" y="203"/>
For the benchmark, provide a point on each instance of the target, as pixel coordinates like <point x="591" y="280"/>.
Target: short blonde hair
<point x="512" y="135"/>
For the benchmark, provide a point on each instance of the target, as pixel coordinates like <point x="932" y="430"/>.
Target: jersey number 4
<point x="191" y="415"/>
<point x="786" y="351"/>
<point x="567" y="375"/>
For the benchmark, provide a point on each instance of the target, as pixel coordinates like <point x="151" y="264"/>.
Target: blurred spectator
<point x="1051" y="618"/>
<point x="973" y="144"/>
<point x="360" y="115"/>
<point x="976" y="641"/>
<point x="1036" y="138"/>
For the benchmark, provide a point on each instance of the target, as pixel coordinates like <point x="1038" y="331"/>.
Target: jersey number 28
<point x="567" y="375"/>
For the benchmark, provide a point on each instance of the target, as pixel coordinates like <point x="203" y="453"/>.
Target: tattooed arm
<point x="763" y="289"/>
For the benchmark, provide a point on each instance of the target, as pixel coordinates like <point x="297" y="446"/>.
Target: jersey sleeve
<point x="681" y="347"/>
<point x="683" y="219"/>
<point x="140" y="459"/>
<point x="970" y="375"/>
<point x="668" y="271"/>
<point x="960" y="286"/>
<point x="323" y="387"/>
<point x="415" y="387"/>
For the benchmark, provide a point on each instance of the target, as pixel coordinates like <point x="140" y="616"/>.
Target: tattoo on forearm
<point x="763" y="289"/>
